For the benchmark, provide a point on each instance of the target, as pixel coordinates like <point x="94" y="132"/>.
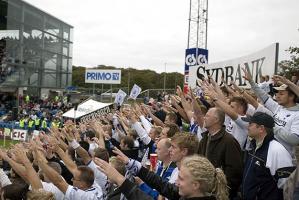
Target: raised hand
<point x="20" y="155"/>
<point x="179" y="91"/>
<point x="3" y="154"/>
<point x="247" y="74"/>
<point x="281" y="79"/>
<point x="121" y="155"/>
<point x="112" y="174"/>
<point x="53" y="144"/>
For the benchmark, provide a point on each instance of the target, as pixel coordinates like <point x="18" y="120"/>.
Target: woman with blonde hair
<point x="199" y="178"/>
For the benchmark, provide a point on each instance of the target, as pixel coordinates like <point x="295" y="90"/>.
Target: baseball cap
<point x="260" y="118"/>
<point x="281" y="88"/>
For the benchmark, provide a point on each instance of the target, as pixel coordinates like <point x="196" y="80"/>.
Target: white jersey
<point x="250" y="110"/>
<point x="99" y="178"/>
<point x="93" y="193"/>
<point x="284" y="118"/>
<point x="278" y="157"/>
<point x="239" y="129"/>
<point x="286" y="122"/>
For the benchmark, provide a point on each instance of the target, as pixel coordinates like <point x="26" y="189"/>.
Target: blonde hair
<point x="212" y="181"/>
<point x="40" y="194"/>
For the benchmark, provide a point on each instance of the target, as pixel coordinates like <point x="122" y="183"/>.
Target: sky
<point x="152" y="34"/>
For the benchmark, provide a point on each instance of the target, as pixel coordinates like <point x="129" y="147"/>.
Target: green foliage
<point x="146" y="79"/>
<point x="290" y="67"/>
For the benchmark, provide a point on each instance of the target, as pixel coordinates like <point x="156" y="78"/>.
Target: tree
<point x="146" y="79"/>
<point x="290" y="67"/>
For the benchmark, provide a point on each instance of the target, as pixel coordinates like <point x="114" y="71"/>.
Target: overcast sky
<point x="145" y="34"/>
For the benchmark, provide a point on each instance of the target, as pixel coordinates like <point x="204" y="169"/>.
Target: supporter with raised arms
<point x="284" y="110"/>
<point x="237" y="109"/>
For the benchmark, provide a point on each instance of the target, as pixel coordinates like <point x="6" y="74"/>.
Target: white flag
<point x="120" y="97"/>
<point x="135" y="91"/>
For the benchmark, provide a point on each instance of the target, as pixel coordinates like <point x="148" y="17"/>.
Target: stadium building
<point x="35" y="50"/>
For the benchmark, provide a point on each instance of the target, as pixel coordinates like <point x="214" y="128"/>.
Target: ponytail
<point x="220" y="187"/>
<point x="212" y="181"/>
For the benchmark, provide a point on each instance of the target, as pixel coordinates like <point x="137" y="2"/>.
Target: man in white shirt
<point x="234" y="125"/>
<point x="83" y="182"/>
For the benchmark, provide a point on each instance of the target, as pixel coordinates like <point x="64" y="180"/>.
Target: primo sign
<point x="103" y="76"/>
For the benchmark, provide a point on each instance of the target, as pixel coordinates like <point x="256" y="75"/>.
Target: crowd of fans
<point x="225" y="143"/>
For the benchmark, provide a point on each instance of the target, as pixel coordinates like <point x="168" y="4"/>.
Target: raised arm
<point x="69" y="163"/>
<point x="54" y="177"/>
<point x="129" y="189"/>
<point x="181" y="111"/>
<point x="261" y="94"/>
<point x="209" y="91"/>
<point x="157" y="121"/>
<point x="289" y="83"/>
<point x="18" y="168"/>
<point x="31" y="174"/>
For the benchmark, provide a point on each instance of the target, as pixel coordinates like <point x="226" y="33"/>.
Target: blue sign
<point x="102" y="76"/>
<point x="192" y="60"/>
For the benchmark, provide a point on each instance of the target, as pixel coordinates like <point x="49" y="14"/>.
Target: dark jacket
<point x="224" y="152"/>
<point x="132" y="192"/>
<point x="258" y="182"/>
<point x="165" y="176"/>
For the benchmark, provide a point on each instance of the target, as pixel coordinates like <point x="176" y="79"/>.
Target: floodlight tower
<point x="198" y="24"/>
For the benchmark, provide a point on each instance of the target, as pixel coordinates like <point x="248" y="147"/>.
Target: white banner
<point x="135" y="91"/>
<point x="19" y="134"/>
<point x="120" y="97"/>
<point x="88" y="110"/>
<point x="107" y="76"/>
<point x="259" y="63"/>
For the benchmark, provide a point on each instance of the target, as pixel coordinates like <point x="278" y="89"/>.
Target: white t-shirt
<point x="238" y="128"/>
<point x="93" y="193"/>
<point x="285" y="119"/>
<point x="92" y="147"/>
<point x="250" y="110"/>
<point x="278" y="157"/>
<point x="99" y="178"/>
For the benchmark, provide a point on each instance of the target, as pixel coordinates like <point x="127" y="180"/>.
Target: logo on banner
<point x="192" y="60"/>
<point x="194" y="57"/>
<point x="19" y="134"/>
<point x="135" y="91"/>
<point x="103" y="76"/>
<point x="263" y="62"/>
<point x="120" y="97"/>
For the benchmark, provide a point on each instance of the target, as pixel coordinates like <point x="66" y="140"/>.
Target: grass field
<point x="7" y="143"/>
